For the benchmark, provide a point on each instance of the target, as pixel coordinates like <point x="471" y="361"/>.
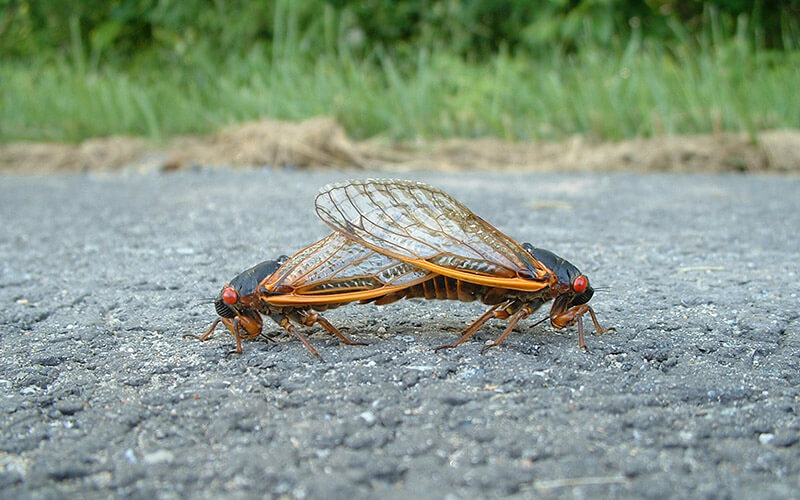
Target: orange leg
<point x="512" y="323"/>
<point x="575" y="315"/>
<point x="251" y="326"/>
<point x="231" y="324"/>
<point x="235" y="330"/>
<point x="236" y="336"/>
<point x="293" y="331"/>
<point x="470" y="330"/>
<point x="600" y="330"/>
<point x="324" y="323"/>
<point x="204" y="337"/>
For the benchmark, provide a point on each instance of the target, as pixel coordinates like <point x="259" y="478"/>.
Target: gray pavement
<point x="695" y="395"/>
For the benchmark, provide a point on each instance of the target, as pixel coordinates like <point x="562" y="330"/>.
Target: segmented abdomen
<point x="444" y="288"/>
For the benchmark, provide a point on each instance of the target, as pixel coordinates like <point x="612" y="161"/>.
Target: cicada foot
<point x="206" y="335"/>
<point x="238" y="350"/>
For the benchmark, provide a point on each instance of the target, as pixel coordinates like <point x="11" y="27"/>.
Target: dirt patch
<point x="323" y="142"/>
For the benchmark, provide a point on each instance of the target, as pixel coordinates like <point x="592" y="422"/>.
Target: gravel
<point x="695" y="394"/>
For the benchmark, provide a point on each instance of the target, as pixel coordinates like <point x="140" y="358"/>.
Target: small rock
<point x="49" y="361"/>
<point x="455" y="399"/>
<point x="130" y="456"/>
<point x="368" y="417"/>
<point x="159" y="457"/>
<point x="68" y="406"/>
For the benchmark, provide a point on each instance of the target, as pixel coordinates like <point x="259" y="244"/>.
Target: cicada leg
<point x="575" y="315"/>
<point x="512" y="323"/>
<point x="290" y="328"/>
<point x="236" y="335"/>
<point x="233" y="325"/>
<point x="207" y="334"/>
<point x="312" y="318"/>
<point x="470" y="330"/>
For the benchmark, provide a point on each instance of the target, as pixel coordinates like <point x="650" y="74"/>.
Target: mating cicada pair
<point x="396" y="239"/>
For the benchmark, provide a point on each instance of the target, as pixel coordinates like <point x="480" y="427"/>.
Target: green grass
<point x="641" y="89"/>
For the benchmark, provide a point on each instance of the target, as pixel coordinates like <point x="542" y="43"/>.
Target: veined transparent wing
<point x="426" y="227"/>
<point x="336" y="269"/>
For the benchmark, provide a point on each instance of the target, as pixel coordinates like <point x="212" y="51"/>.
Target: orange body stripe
<point x="334" y="298"/>
<point x="491" y="281"/>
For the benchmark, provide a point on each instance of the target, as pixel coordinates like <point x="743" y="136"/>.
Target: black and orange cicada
<point x="467" y="257"/>
<point x="293" y="290"/>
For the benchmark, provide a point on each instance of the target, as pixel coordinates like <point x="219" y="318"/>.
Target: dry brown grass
<point x="321" y="142"/>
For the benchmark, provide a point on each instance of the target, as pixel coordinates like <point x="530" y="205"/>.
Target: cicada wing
<point x="337" y="269"/>
<point x="425" y="226"/>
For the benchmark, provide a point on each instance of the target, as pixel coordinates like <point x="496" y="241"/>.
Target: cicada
<point x="293" y="290"/>
<point x="469" y="258"/>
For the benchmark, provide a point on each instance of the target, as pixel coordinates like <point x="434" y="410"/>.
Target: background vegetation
<point x="404" y="69"/>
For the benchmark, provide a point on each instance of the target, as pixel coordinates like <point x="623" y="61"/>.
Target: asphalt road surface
<point x="694" y="395"/>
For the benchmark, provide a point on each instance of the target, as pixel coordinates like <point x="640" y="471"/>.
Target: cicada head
<point x="236" y="302"/>
<point x="235" y="298"/>
<point x="572" y="287"/>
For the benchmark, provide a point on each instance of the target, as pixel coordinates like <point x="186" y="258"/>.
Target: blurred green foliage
<point x="128" y="31"/>
<point x="516" y="69"/>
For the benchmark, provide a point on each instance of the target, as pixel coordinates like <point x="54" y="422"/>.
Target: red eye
<point x="229" y="296"/>
<point x="580" y="284"/>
